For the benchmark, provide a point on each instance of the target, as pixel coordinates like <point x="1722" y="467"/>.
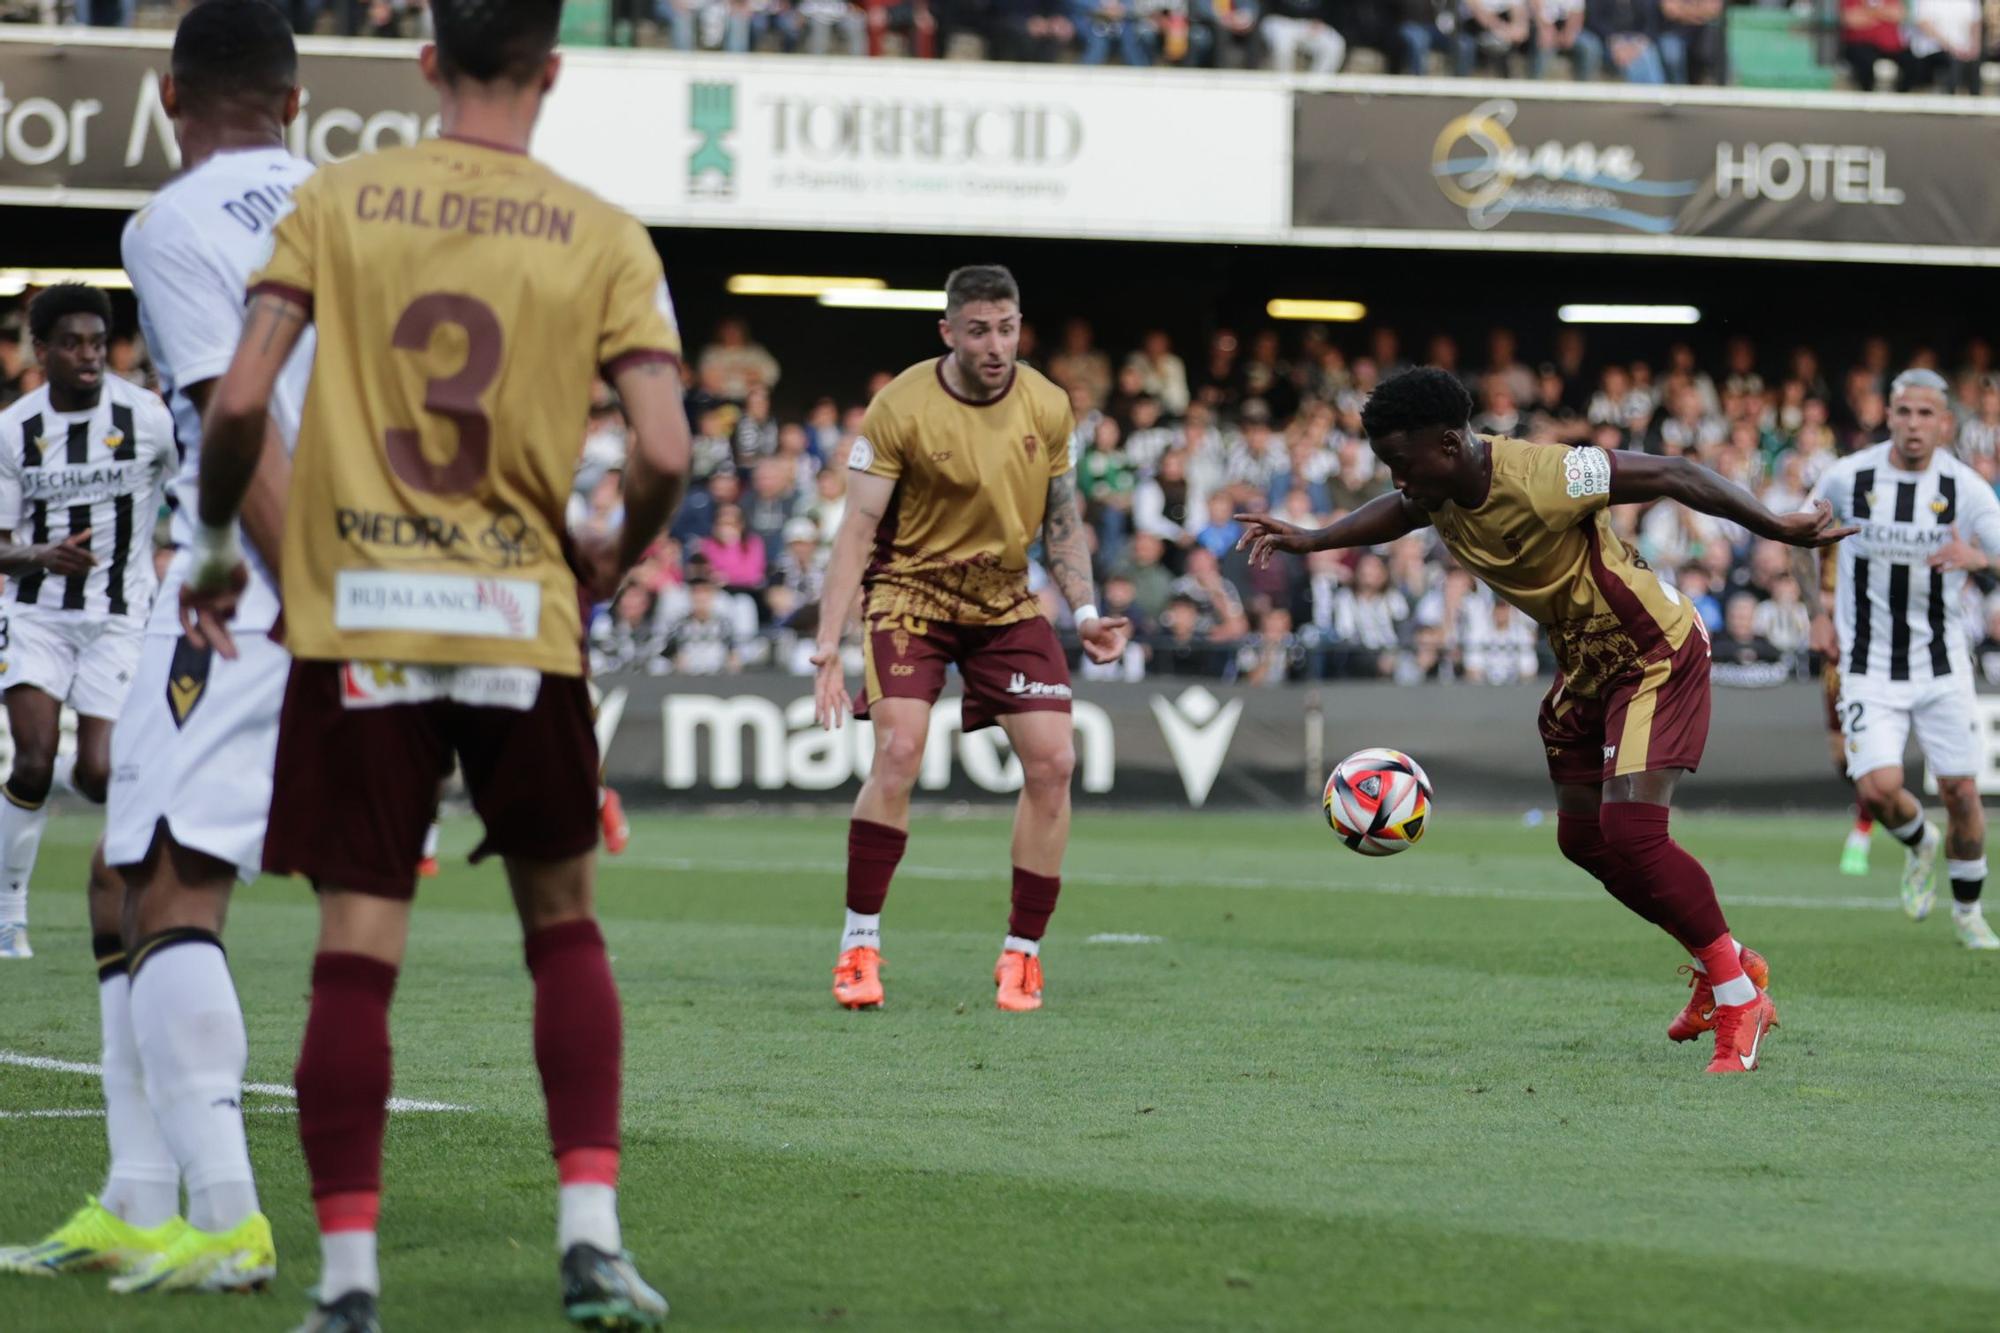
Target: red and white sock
<point x="587" y="1200"/>
<point x="1721" y="961"/>
<point x="347" y="1225"/>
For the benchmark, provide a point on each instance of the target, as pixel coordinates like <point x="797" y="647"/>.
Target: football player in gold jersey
<point x="465" y="298"/>
<point x="1628" y="715"/>
<point x="962" y="461"/>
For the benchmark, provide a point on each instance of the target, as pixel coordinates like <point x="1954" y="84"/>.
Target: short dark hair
<point x="1415" y="400"/>
<point x="488" y="41"/>
<point x="979" y="282"/>
<point x="234" y="50"/>
<point x="54" y="304"/>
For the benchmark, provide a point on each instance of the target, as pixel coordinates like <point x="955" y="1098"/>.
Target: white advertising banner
<point x="924" y="147"/>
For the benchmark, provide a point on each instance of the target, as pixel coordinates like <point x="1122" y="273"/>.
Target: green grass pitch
<point x="1329" y="1093"/>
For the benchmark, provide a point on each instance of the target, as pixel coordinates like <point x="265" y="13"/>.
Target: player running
<point x="83" y="460"/>
<point x="1925" y="521"/>
<point x="465" y="296"/>
<point x="962" y="459"/>
<point x="191" y="756"/>
<point x="1628" y="714"/>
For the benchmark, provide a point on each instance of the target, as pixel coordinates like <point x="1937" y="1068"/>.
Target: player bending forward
<point x="1628" y="715"/>
<point x="1899" y="620"/>
<point x="83" y="460"/>
<point x="191" y="756"/>
<point x="962" y="460"/>
<point x="464" y="296"/>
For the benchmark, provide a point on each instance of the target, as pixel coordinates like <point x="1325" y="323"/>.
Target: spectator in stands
<point x="1691" y="40"/>
<point x="1504" y="368"/>
<point x="1428" y="658"/>
<point x="829" y="502"/>
<point x="603" y="438"/>
<point x="1218" y="386"/>
<point x="1500" y="649"/>
<point x="1630" y="32"/>
<point x="1221" y="604"/>
<point x="1162" y="375"/>
<point x="1030" y="30"/>
<point x="1294" y="26"/>
<point x="1692" y="583"/>
<point x="1421" y="27"/>
<point x="1500" y="416"/>
<point x="1233" y="25"/>
<point x="1105" y="24"/>
<point x="1179" y="648"/>
<point x="736" y="364"/>
<point x="1219" y="535"/>
<point x="1369" y="615"/>
<point x="704" y="642"/>
<point x="1145" y="568"/>
<point x="1274" y="656"/>
<point x="1979" y="436"/>
<point x="1080" y="365"/>
<point x="1167" y="506"/>
<point x="1551" y="418"/>
<point x="822" y="19"/>
<point x="1107" y="480"/>
<point x="1559" y="30"/>
<point x="1740" y="655"/>
<point x="1491" y="33"/>
<point x="1783" y="618"/>
<point x="601" y="513"/>
<point x="772" y="504"/>
<point x="756" y="433"/>
<point x="1257" y="460"/>
<point x="1871" y="31"/>
<point x="800" y="572"/>
<point x="735" y="555"/>
<point x="625" y="635"/>
<point x="1944" y="45"/>
<point x="714" y="442"/>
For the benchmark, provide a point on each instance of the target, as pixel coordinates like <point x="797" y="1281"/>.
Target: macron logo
<point x="1198" y="728"/>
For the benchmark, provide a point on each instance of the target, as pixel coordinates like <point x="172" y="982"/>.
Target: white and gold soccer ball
<point x="1378" y="801"/>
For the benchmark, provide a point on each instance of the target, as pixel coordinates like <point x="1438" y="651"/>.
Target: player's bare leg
<point x="33" y="719"/>
<point x="1854" y="855"/>
<point x="876" y="838"/>
<point x="1965" y="860"/>
<point x="192" y="1049"/>
<point x="1045" y="744"/>
<point x="1883" y="795"/>
<point x="137" y="1214"/>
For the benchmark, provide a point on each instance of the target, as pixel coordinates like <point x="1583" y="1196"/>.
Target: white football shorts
<point x="1876" y="717"/>
<point x="85" y="659"/>
<point x="195" y="748"/>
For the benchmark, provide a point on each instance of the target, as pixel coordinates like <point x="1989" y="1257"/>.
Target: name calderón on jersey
<point x="1898" y="618"/>
<point x="100" y="471"/>
<point x="478" y="294"/>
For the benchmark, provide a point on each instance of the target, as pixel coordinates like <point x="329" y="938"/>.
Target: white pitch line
<point x="23" y="1061"/>
<point x="97" y="1113"/>
<point x="1113" y="937"/>
<point x="1389" y="888"/>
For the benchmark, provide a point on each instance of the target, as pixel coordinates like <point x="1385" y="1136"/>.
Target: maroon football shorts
<point x="1652" y="720"/>
<point x="355" y="788"/>
<point x="1016" y="668"/>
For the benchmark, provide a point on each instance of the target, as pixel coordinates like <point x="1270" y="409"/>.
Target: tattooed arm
<point x="1068" y="555"/>
<point x="232" y="441"/>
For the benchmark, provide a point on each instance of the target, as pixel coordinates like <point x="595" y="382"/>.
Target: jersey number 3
<point x="453" y="397"/>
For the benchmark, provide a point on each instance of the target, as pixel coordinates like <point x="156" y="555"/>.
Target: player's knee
<point x="1879" y="790"/>
<point x="1049" y="769"/>
<point x="1635" y="832"/>
<point x="898" y="756"/>
<point x="92" y="779"/>
<point x="34" y="772"/>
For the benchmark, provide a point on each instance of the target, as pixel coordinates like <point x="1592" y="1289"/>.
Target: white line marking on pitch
<point x="97" y="1113"/>
<point x="265" y="1089"/>
<point x="1391" y="888"/>
<point x="1113" y="938"/>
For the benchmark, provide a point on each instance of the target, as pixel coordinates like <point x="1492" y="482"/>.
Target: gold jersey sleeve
<point x="972" y="486"/>
<point x="465" y="296"/>
<point x="1543" y="541"/>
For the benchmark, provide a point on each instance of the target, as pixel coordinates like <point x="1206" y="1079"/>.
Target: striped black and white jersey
<point x="1898" y="618"/>
<point x="103" y="470"/>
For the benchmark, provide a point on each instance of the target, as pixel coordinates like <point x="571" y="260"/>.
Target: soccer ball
<point x="1378" y="801"/>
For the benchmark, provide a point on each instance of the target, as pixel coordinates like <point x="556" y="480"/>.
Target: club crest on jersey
<point x="43" y="443"/>
<point x="114" y="439"/>
<point x="1031" y="444"/>
<point x="901" y="638"/>
<point x="1939" y="505"/>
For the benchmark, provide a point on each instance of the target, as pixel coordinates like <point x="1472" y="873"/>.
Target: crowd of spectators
<point x="1167" y="449"/>
<point x="1936" y="44"/>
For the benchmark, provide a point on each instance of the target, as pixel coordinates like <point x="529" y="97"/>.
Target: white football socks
<point x="430" y="841"/>
<point x="1015" y="944"/>
<point x="1912" y="833"/>
<point x="588" y="1215"/>
<point x="144" y="1185"/>
<point x="864" y="931"/>
<point x="20" y="840"/>
<point x="347" y="1263"/>
<point x="192" y="1044"/>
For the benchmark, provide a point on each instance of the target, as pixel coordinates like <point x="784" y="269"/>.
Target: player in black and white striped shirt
<point x="83" y="461"/>
<point x="1926" y="520"/>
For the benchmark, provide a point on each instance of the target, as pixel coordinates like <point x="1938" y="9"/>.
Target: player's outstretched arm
<point x="1382" y="519"/>
<point x="868" y="499"/>
<point x="656" y="471"/>
<point x="1637" y="478"/>
<point x="1068" y="553"/>
<point x="232" y="435"/>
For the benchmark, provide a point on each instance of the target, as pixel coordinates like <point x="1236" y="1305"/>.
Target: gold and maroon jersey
<point x="1543" y="541"/>
<point x="972" y="487"/>
<point x="465" y="297"/>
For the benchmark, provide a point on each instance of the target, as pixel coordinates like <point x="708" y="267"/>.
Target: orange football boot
<point x="1019" y="976"/>
<point x="1739" y="1032"/>
<point x="427" y="868"/>
<point x="1698" y="1018"/>
<point x="857" y="978"/>
<point x="611" y="816"/>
